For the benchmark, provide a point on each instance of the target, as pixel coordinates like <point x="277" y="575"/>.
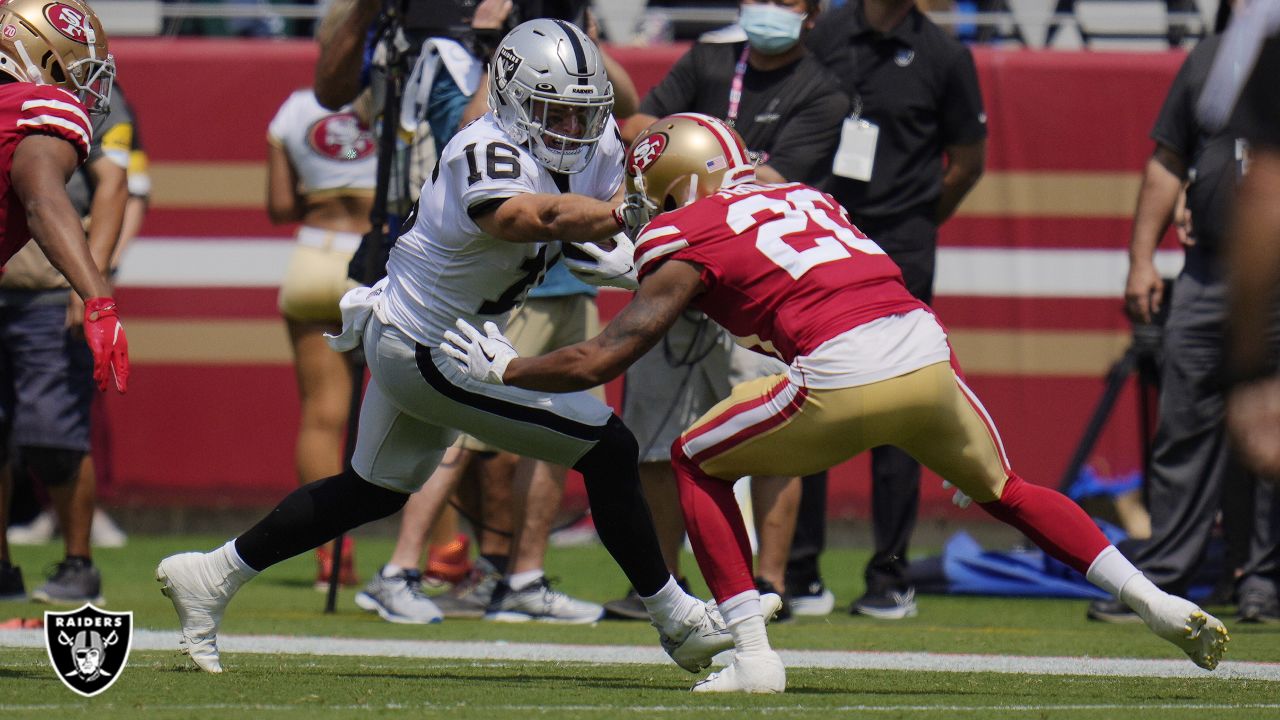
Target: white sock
<point x="740" y="607"/>
<point x="671" y="602"/>
<point x="390" y="571"/>
<point x="229" y="564"/>
<point x="522" y="580"/>
<point x="1111" y="571"/>
<point x="743" y="615"/>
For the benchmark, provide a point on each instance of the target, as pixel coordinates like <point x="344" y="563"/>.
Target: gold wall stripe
<point x="1038" y="352"/>
<point x="202" y="341"/>
<point x="209" y="185"/>
<point x="982" y="352"/>
<point x="1059" y="194"/>
<point x="243" y="185"/>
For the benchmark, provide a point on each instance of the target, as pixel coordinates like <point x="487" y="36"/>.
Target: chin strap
<point x="32" y="70"/>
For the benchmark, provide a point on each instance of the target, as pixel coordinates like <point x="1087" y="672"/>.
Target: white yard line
<point x="628" y="655"/>
<point x="549" y="710"/>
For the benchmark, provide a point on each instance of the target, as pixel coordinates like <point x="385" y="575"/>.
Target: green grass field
<point x="164" y="684"/>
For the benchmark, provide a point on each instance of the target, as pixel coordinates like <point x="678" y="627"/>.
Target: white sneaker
<point x="1200" y="635"/>
<point x="702" y="634"/>
<point x="399" y="599"/>
<point x="105" y="533"/>
<point x="200" y="595"/>
<point x="816" y="601"/>
<point x="39" y="531"/>
<point x="540" y="602"/>
<point x="760" y="672"/>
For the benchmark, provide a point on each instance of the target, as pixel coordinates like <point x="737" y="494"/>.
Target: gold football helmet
<point x="679" y="159"/>
<point x="57" y="42"/>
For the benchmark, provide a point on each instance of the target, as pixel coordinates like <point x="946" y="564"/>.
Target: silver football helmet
<point x="548" y="91"/>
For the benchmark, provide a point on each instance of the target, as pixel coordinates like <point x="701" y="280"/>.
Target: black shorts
<point x="47" y="378"/>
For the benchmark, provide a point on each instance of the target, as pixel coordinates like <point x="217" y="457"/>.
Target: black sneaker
<point x="765" y="587"/>
<point x="1112" y="611"/>
<point x="631" y="607"/>
<point x="886" y="604"/>
<point x="11" y="587"/>
<point x="74" y="581"/>
<point x="1258" y="602"/>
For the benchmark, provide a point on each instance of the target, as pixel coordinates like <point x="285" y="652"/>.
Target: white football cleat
<point x="199" y="596"/>
<point x="1201" y="636"/>
<point x="703" y="634"/>
<point x="759" y="672"/>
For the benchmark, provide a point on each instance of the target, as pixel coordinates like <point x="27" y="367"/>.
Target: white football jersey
<point x="445" y="267"/>
<point x="331" y="151"/>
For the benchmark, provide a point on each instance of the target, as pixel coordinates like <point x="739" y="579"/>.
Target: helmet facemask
<point x="561" y="134"/>
<point x="93" y="79"/>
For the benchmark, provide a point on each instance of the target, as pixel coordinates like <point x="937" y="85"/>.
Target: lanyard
<point x="735" y="88"/>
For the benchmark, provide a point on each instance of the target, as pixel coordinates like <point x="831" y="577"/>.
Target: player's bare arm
<point x="106" y="210"/>
<point x="663" y="295"/>
<point x="42" y="164"/>
<point x="543" y="217"/>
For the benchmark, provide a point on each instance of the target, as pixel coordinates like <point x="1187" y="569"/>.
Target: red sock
<point x="716" y="529"/>
<point x="1052" y="520"/>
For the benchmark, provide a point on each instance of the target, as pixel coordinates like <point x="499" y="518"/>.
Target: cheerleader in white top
<point x="321" y="172"/>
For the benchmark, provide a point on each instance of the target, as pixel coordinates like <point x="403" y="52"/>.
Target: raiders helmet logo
<point x="68" y="21"/>
<point x="88" y="647"/>
<point x="646" y="152"/>
<point x="507" y="62"/>
<point x="341" y="137"/>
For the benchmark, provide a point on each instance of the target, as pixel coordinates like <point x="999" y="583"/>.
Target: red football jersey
<point x="29" y="109"/>
<point x="785" y="270"/>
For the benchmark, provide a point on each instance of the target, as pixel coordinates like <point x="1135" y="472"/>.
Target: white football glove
<point x="607" y="268"/>
<point x="483" y="357"/>
<point x="960" y="500"/>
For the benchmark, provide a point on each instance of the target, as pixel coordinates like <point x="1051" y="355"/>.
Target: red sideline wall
<point x="1023" y="279"/>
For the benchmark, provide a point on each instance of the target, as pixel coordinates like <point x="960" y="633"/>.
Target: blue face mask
<point x="771" y="29"/>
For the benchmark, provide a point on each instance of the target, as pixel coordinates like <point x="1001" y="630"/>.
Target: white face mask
<point x="771" y="29"/>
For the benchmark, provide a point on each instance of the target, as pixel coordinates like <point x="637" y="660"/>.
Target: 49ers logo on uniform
<point x="68" y="21"/>
<point x="341" y="137"/>
<point x="647" y="151"/>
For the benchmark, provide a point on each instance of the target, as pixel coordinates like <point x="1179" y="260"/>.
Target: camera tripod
<point x="1142" y="358"/>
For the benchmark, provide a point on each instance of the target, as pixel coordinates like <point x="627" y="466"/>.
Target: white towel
<point x="356" y="306"/>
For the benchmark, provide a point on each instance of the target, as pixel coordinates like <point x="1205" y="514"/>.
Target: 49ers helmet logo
<point x="341" y="137"/>
<point x="68" y="21"/>
<point x="646" y="152"/>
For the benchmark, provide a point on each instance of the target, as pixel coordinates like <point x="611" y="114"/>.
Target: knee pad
<point x="50" y="466"/>
<point x="616" y="446"/>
